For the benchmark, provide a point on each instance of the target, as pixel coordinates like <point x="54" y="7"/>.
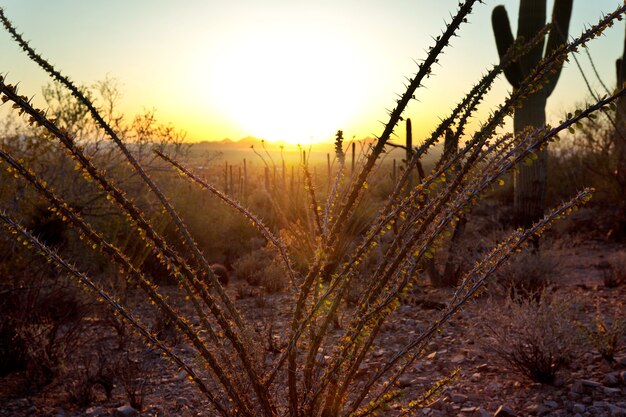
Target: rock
<point x="469" y="410"/>
<point x="612" y="391"/>
<point x="475" y="377"/>
<point x="622" y="377"/>
<point x="21" y="403"/>
<point x="573" y="395"/>
<point x="538" y="409"/>
<point x="483" y="413"/>
<point x="505" y="411"/>
<point x="458" y="358"/>
<point x="125" y="411"/>
<point x="611" y="380"/>
<point x="483" y="367"/>
<point x="405" y="381"/>
<point x="458" y="398"/>
<point x="596" y="411"/>
<point x="95" y="412"/>
<point x="582" y="386"/>
<point x="579" y="408"/>
<point x="494" y="386"/>
<point x="615" y="411"/>
<point x="437" y="413"/>
<point x="551" y="404"/>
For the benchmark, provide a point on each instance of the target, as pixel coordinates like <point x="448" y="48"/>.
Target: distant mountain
<point x="235" y="149"/>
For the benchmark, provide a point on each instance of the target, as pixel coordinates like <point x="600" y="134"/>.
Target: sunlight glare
<point x="292" y="86"/>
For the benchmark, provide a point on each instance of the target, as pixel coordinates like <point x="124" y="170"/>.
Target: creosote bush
<point x="313" y="369"/>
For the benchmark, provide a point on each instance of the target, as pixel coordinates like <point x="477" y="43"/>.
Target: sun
<point x="288" y="84"/>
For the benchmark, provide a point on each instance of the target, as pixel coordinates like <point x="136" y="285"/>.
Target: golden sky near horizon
<point x="279" y="69"/>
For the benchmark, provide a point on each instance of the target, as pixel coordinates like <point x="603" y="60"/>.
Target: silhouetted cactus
<point x="409" y="152"/>
<point x="531" y="180"/>
<point x="619" y="140"/>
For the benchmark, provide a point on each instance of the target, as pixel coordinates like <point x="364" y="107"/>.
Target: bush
<point x="40" y="320"/>
<point x="533" y="337"/>
<point x="606" y="333"/>
<point x="261" y="268"/>
<point x="615" y="274"/>
<point x="528" y="274"/>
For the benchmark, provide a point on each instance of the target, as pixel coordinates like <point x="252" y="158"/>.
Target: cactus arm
<point x="561" y="14"/>
<point x="621" y="69"/>
<point x="504" y="39"/>
<point x="532" y="17"/>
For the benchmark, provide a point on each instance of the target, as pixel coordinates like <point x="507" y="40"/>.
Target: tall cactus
<point x="531" y="181"/>
<point x="619" y="141"/>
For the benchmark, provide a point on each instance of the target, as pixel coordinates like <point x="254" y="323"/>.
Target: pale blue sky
<point x="279" y="69"/>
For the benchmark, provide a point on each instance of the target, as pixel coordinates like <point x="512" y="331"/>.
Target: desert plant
<point x="133" y="374"/>
<point x="606" y="333"/>
<point x="619" y="140"/>
<point x="262" y="268"/>
<point x="615" y="274"/>
<point x="535" y="337"/>
<point x="96" y="371"/>
<point x="315" y="372"/>
<point x="531" y="179"/>
<point x="40" y="319"/>
<point x="528" y="274"/>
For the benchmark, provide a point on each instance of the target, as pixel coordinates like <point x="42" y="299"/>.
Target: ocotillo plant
<point x="316" y="369"/>
<point x="531" y="179"/>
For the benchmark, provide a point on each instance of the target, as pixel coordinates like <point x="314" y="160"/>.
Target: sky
<point x="281" y="69"/>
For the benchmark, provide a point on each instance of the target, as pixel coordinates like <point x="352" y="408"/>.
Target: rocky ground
<point x="588" y="386"/>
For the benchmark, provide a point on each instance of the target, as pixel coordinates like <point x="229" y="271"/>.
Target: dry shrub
<point x="527" y="274"/>
<point x="96" y="371"/>
<point x="40" y="323"/>
<point x="615" y="275"/>
<point x="274" y="278"/>
<point x="262" y="268"/>
<point x="133" y="375"/>
<point x="250" y="266"/>
<point x="535" y="337"/>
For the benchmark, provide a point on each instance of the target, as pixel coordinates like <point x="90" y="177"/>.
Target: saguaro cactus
<point x="619" y="141"/>
<point x="531" y="181"/>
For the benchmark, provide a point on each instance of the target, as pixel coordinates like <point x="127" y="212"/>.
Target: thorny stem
<point x="52" y="256"/>
<point x="75" y="151"/>
<point x="476" y="277"/>
<point x="395" y="116"/>
<point x="87" y="231"/>
<point x="187" y="239"/>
